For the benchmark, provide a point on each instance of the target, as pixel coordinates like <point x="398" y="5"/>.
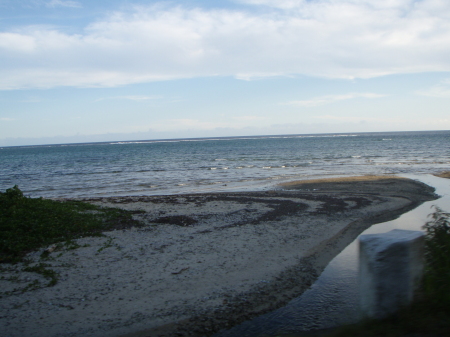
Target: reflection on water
<point x="333" y="299"/>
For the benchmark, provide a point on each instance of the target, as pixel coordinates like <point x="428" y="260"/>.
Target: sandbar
<point x="200" y="263"/>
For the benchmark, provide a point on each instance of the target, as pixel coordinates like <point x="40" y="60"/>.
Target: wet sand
<point x="445" y="174"/>
<point x="200" y="262"/>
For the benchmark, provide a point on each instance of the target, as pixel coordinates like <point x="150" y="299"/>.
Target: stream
<point x="333" y="300"/>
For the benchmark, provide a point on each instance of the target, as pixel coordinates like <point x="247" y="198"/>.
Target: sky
<point x="110" y="70"/>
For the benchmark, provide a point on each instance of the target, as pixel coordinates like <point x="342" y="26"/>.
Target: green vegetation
<point x="42" y="268"/>
<point x="437" y="277"/>
<point x="27" y="224"/>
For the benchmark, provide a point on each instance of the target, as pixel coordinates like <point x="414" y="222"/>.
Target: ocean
<point x="157" y="167"/>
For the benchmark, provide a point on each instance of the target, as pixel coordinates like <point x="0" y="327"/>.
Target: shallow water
<point x="333" y="299"/>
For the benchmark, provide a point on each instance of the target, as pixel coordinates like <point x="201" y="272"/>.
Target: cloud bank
<point x="323" y="38"/>
<point x="441" y="90"/>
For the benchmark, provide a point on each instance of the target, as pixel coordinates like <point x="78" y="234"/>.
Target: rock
<point x="390" y="270"/>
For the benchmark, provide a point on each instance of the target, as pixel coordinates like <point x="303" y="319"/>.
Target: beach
<point x="200" y="263"/>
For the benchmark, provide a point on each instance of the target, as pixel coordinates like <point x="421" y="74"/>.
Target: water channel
<point x="333" y="299"/>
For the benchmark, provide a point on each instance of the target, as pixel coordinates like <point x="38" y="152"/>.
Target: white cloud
<point x="332" y="98"/>
<point x="13" y="42"/>
<point x="440" y="90"/>
<point x="5" y="119"/>
<point x="63" y="3"/>
<point x="325" y="38"/>
<point x="284" y="4"/>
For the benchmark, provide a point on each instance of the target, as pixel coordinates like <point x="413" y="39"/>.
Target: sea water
<point x="157" y="167"/>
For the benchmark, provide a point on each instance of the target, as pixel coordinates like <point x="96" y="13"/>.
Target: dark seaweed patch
<point x="179" y="220"/>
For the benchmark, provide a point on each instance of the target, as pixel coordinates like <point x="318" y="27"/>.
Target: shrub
<point x="27" y="223"/>
<point x="437" y="274"/>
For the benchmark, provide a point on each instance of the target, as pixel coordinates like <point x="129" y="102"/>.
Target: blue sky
<point x="81" y="71"/>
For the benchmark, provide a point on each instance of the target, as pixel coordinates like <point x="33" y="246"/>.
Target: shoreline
<point x="204" y="262"/>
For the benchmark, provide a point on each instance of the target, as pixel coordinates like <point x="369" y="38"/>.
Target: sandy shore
<point x="445" y="174"/>
<point x="201" y="262"/>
